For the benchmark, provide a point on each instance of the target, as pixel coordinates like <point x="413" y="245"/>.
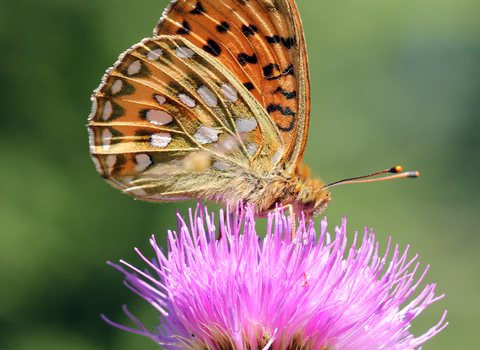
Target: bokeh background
<point x="393" y="82"/>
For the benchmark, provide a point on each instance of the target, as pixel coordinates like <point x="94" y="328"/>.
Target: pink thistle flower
<point x="241" y="292"/>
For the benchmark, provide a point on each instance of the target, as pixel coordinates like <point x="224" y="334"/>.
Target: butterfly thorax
<point x="305" y="194"/>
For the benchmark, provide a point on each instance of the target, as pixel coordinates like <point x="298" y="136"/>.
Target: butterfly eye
<point x="307" y="200"/>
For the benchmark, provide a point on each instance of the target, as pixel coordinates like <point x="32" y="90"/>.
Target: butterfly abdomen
<point x="267" y="192"/>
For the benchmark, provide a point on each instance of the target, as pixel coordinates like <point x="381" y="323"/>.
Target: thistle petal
<point x="244" y="292"/>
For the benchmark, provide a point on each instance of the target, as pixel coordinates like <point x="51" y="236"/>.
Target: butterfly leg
<point x="292" y="220"/>
<point x="288" y="207"/>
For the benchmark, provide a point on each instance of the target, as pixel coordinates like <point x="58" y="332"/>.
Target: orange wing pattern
<point x="261" y="43"/>
<point x="169" y="122"/>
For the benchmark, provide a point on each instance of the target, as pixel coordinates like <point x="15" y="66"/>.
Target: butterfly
<point x="215" y="105"/>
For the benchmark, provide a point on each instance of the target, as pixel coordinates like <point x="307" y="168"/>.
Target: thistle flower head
<point x="240" y="291"/>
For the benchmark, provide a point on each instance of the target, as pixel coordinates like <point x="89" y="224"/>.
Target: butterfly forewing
<point x="261" y="43"/>
<point x="169" y="122"/>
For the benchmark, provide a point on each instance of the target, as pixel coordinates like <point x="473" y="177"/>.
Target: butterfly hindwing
<point x="169" y="122"/>
<point x="261" y="43"/>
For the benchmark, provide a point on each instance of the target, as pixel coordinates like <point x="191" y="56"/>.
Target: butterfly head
<point x="312" y="199"/>
<point x="311" y="195"/>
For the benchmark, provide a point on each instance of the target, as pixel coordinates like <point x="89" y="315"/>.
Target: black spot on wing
<point x="288" y="95"/>
<point x="223" y="27"/>
<point x="273" y="39"/>
<point x="243" y="59"/>
<point x="269" y="68"/>
<point x="288" y="42"/>
<point x="287" y="112"/>
<point x="185" y="28"/>
<point x="198" y="10"/>
<point x="288" y="70"/>
<point x="289" y="127"/>
<point x="212" y="48"/>
<point x="276" y="107"/>
<point x="249" y="86"/>
<point x="250" y="30"/>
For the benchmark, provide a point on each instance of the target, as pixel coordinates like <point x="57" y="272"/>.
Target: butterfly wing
<point x="261" y="43"/>
<point x="169" y="122"/>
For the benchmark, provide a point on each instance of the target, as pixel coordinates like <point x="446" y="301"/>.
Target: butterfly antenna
<point x="397" y="170"/>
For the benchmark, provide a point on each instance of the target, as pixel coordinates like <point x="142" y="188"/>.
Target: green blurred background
<point x="393" y="82"/>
